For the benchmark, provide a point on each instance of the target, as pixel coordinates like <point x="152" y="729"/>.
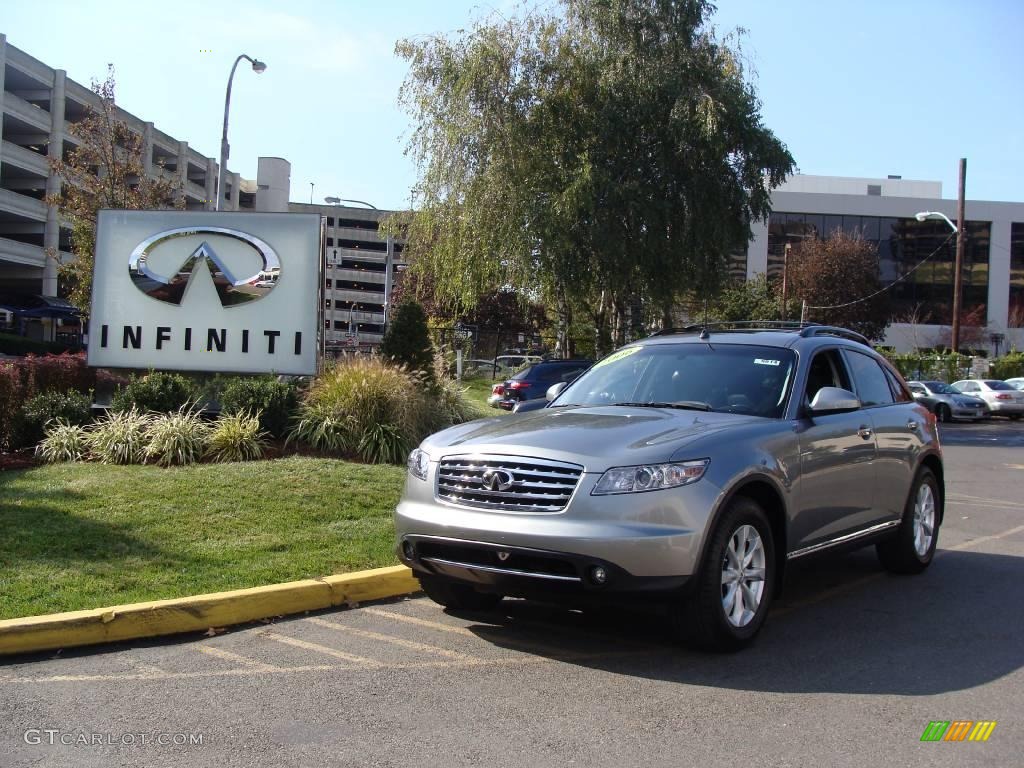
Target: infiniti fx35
<point x="690" y="466"/>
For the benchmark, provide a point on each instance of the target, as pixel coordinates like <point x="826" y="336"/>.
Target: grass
<point x="479" y="390"/>
<point x="78" y="536"/>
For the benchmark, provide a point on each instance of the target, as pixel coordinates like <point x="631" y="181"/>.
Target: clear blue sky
<point x="864" y="88"/>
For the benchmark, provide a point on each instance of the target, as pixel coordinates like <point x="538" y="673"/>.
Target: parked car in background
<point x="1017" y="384"/>
<point x="1002" y="399"/>
<point x="690" y="468"/>
<point x="532" y="382"/>
<point x="946" y="402"/>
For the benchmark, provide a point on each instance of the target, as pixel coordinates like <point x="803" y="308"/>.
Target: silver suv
<point x="690" y="466"/>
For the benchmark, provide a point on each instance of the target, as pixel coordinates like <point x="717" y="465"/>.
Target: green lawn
<point x="77" y="536"/>
<point x="479" y="390"/>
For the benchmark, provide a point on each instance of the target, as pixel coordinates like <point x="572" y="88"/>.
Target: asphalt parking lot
<point x="851" y="667"/>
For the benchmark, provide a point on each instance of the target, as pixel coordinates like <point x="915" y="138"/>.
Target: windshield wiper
<point x="687" y="405"/>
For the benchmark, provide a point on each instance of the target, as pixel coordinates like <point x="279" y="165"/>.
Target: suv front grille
<point x="507" y="483"/>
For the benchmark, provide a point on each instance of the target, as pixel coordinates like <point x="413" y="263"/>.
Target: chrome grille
<point x="508" y="483"/>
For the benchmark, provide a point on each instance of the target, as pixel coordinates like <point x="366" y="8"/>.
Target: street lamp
<point x="957" y="270"/>
<point x="924" y="215"/>
<point x="258" y="67"/>
<point x="388" y="259"/>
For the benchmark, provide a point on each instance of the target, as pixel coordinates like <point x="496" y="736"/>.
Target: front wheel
<point x="733" y="589"/>
<point x="1014" y="416"/>
<point x="452" y="594"/>
<point x="912" y="548"/>
<point x="943" y="414"/>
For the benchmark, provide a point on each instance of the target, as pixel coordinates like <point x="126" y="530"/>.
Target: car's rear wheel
<point x="452" y="594"/>
<point x="912" y="548"/>
<point x="733" y="589"/>
<point x="942" y="413"/>
<point x="1014" y="416"/>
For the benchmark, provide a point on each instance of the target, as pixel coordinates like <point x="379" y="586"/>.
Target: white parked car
<point x="1017" y="384"/>
<point x="1002" y="399"/>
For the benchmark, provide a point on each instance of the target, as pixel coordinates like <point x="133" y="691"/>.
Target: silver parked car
<point x="946" y="402"/>
<point x="1017" y="384"/>
<point x="1002" y="399"/>
<point x="691" y="466"/>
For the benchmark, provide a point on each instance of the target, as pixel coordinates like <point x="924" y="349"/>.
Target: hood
<point x="596" y="437"/>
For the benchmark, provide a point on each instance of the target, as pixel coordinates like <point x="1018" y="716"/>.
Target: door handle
<point x="912" y="426"/>
<point x="864" y="432"/>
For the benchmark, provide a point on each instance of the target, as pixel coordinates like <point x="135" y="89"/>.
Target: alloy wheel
<point x="743" y="571"/>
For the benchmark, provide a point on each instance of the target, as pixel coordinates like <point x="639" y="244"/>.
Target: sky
<point x="866" y="88"/>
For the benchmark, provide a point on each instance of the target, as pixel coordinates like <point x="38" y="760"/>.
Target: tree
<point x="105" y="170"/>
<point x="608" y="157"/>
<point x="838" y="277"/>
<point x="407" y="339"/>
<point x="755" y="299"/>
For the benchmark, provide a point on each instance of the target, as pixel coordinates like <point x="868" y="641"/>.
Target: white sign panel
<point x="207" y="291"/>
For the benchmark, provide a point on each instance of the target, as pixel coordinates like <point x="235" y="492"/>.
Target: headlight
<point x="650" y="477"/>
<point x="418" y="463"/>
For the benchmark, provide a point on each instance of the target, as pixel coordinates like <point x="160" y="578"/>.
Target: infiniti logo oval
<point x="498" y="479"/>
<point x="231" y="290"/>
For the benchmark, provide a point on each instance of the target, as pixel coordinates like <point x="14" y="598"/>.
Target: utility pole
<point x="961" y="236"/>
<point x="785" y="275"/>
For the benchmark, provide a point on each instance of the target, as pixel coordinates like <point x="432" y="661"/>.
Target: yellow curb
<point x="189" y="614"/>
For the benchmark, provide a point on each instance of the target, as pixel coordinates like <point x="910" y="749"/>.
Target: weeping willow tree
<point x="608" y="154"/>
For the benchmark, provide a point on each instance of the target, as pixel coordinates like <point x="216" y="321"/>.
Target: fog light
<point x="408" y="550"/>
<point x="598" y="575"/>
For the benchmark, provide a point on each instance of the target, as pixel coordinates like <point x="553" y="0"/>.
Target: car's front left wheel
<point x="734" y="588"/>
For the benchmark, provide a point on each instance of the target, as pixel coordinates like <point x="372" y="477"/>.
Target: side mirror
<point x="554" y="391"/>
<point x="834" y="400"/>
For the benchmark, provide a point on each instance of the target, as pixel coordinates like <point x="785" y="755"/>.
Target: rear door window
<point x="869" y="379"/>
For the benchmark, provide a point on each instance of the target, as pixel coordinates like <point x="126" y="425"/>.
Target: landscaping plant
<point x="176" y="438"/>
<point x="156" y="392"/>
<point x="71" y="407"/>
<point x="236" y="437"/>
<point x="120" y="437"/>
<point x="275" y="401"/>
<point x="63" y="441"/>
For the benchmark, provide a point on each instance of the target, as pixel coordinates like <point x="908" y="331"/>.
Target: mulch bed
<point x="18" y="460"/>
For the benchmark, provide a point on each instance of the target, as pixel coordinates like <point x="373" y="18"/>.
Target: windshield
<point x="941" y="388"/>
<point x="720" y="377"/>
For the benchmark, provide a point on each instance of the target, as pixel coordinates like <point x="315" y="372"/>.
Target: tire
<point x="702" y="620"/>
<point x="906" y="552"/>
<point x="1014" y="417"/>
<point x="454" y="595"/>
<point x="943" y="414"/>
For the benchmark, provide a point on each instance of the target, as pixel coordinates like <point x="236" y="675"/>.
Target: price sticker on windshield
<point x="762" y="361"/>
<point x="614" y="356"/>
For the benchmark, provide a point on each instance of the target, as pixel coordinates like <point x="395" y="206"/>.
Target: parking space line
<point x="411" y="644"/>
<point x="220" y="653"/>
<point x="294" y="641"/>
<point x="961" y="497"/>
<point x="982" y="539"/>
<point x="423" y="622"/>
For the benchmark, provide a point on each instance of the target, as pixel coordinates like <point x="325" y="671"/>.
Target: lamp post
<point x="389" y="257"/>
<point x="258" y="67"/>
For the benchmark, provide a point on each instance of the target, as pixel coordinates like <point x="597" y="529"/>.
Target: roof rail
<point x="832" y="330"/>
<point x="806" y="330"/>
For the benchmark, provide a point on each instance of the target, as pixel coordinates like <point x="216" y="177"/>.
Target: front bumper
<point x="969" y="412"/>
<point x="525" y="572"/>
<point x="644" y="540"/>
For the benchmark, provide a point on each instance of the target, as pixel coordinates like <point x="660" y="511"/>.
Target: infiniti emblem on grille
<point x="498" y="479"/>
<point x="503" y="556"/>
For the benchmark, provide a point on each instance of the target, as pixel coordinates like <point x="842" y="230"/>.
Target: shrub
<point x="156" y="392"/>
<point x="275" y="401"/>
<point x="236" y="437"/>
<point x="451" y="405"/>
<point x="176" y="438"/>
<point x="56" y="373"/>
<point x="120" y="437"/>
<point x="10" y="403"/>
<point x="1008" y="366"/>
<point x="407" y="339"/>
<point x="63" y="442"/>
<point x="72" y="407"/>
<point x="367" y="407"/>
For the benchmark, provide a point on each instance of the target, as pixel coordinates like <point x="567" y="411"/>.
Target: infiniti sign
<point x="232" y="291"/>
<point x="208" y="291"/>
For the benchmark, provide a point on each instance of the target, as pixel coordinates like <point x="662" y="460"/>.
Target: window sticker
<point x="762" y="361"/>
<point x="614" y="356"/>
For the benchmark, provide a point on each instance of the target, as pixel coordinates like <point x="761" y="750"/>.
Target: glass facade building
<point x="924" y="293"/>
<point x="1015" y="317"/>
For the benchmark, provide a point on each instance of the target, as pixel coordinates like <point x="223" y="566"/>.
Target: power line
<point x="899" y="279"/>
